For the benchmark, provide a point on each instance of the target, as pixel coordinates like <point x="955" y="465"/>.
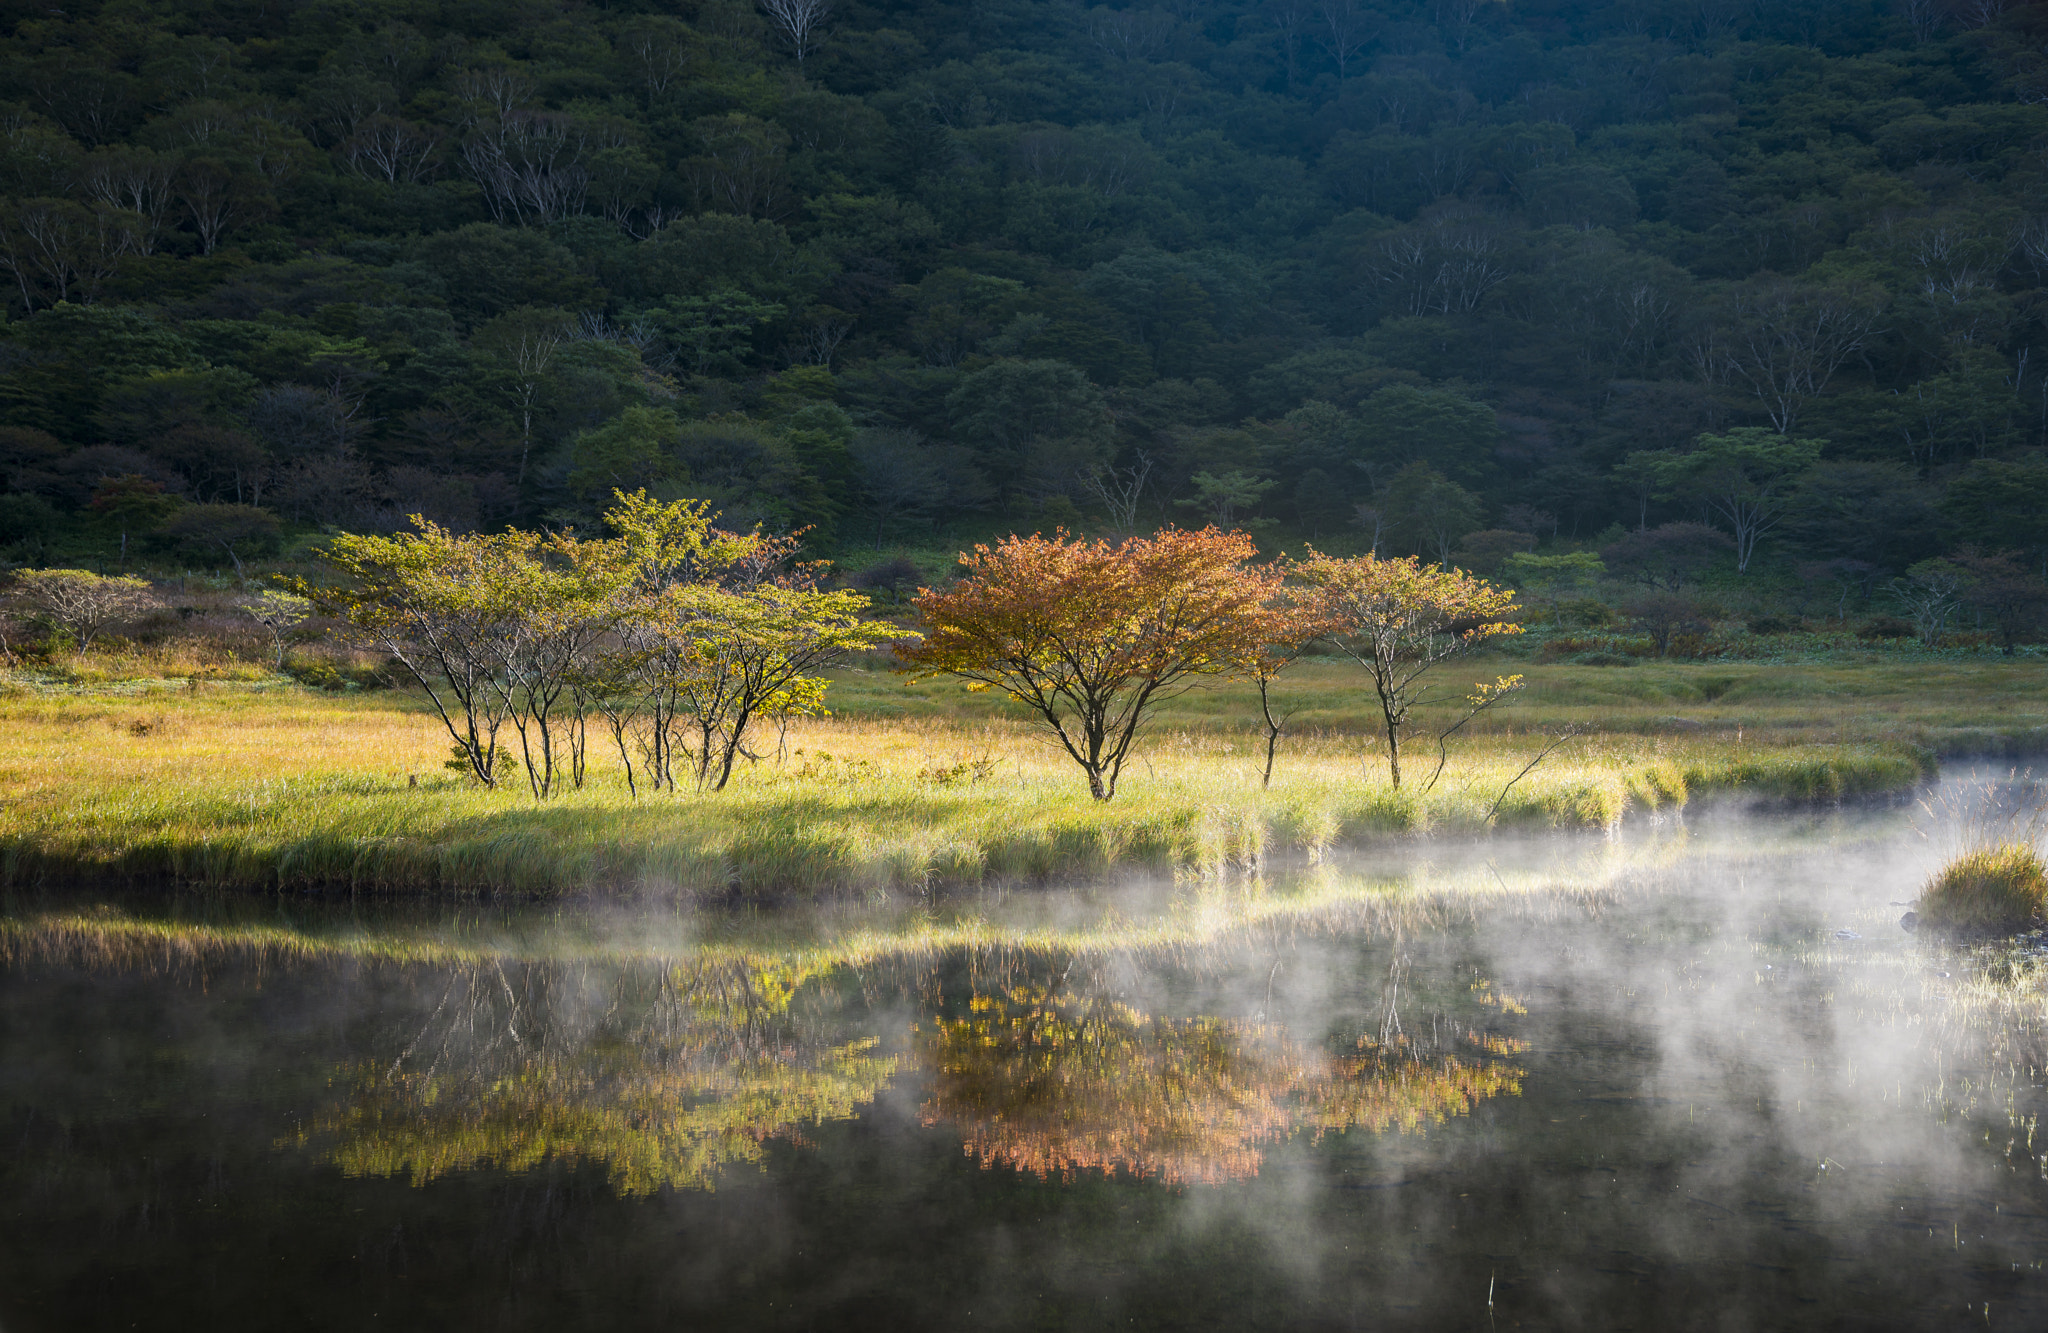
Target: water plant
<point x="1992" y="880"/>
<point x="1991" y="889"/>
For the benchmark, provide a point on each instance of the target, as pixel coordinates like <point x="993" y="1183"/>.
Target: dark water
<point x="1554" y="1083"/>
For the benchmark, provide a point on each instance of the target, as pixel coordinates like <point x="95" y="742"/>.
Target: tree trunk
<point x="730" y="748"/>
<point x="525" y="444"/>
<point x="1272" y="735"/>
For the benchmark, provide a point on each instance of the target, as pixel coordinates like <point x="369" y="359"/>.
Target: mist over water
<point x="1691" y="1076"/>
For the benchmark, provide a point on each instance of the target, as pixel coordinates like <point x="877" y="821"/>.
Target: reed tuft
<point x="1987" y="890"/>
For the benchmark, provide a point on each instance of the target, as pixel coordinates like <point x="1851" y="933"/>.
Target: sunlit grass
<point x="2001" y="888"/>
<point x="1978" y="707"/>
<point x="243" y="787"/>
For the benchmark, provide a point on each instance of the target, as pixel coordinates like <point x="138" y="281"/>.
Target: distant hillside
<point x="1342" y="271"/>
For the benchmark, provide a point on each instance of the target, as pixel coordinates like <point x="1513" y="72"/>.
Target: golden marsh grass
<point x="910" y="787"/>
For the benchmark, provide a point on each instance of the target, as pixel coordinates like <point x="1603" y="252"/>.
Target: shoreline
<point x="911" y="788"/>
<point x="684" y="861"/>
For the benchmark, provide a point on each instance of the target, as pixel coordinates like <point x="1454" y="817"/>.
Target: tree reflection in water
<point x="682" y="1071"/>
<point x="665" y="1070"/>
<point x="668" y="1074"/>
<point x="1059" y="1084"/>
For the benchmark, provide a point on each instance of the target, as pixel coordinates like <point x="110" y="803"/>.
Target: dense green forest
<point x="1457" y="277"/>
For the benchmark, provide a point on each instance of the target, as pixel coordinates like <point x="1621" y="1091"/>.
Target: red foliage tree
<point x="1091" y="636"/>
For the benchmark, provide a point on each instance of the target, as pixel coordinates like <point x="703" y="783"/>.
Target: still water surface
<point x="1686" y="1077"/>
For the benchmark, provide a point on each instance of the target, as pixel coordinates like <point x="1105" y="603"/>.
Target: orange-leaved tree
<point x="1091" y="635"/>
<point x="1397" y="618"/>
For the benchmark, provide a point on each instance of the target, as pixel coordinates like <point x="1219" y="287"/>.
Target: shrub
<point x="892" y="577"/>
<point x="337" y="674"/>
<point x="1586" y="613"/>
<point x="1484" y="552"/>
<point x="1571" y="646"/>
<point x="206" y="532"/>
<point x="1667" y="617"/>
<point x="80" y="603"/>
<point x="1556" y="650"/>
<point x="1886" y="627"/>
<point x="1562" y="576"/>
<point x="1772" y="625"/>
<point x="1989" y="889"/>
<point x="1668" y="557"/>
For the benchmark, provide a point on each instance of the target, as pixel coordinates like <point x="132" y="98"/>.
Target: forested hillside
<point x="1455" y="277"/>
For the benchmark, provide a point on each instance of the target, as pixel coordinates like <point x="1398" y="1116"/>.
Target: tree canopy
<point x="1091" y="636"/>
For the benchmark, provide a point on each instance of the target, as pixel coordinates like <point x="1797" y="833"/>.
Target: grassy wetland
<point x="912" y="786"/>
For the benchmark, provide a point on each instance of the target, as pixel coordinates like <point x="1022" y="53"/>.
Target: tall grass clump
<point x="1993" y="881"/>
<point x="1989" y="890"/>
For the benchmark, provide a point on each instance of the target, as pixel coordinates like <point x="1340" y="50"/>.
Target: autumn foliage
<point x="1397" y="618"/>
<point x="1062" y="1085"/>
<point x="679" y="635"/>
<point x="1090" y="635"/>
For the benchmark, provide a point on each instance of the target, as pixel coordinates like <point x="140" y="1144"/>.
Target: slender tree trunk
<point x="1272" y="733"/>
<point x="731" y="747"/>
<point x="525" y="443"/>
<point x="544" y="722"/>
<point x="526" y="759"/>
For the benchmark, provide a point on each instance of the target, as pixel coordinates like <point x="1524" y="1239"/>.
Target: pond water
<point x="1694" y="1075"/>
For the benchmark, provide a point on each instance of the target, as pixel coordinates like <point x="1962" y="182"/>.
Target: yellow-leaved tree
<point x="1398" y="618"/>
<point x="681" y="635"/>
<point x="719" y="630"/>
<point x="490" y="625"/>
<point x="81" y="603"/>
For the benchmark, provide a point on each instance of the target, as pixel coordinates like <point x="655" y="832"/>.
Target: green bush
<point x="325" y="673"/>
<point x="26" y="520"/>
<point x="1585" y="613"/>
<point x="1572" y="646"/>
<point x="1886" y="627"/>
